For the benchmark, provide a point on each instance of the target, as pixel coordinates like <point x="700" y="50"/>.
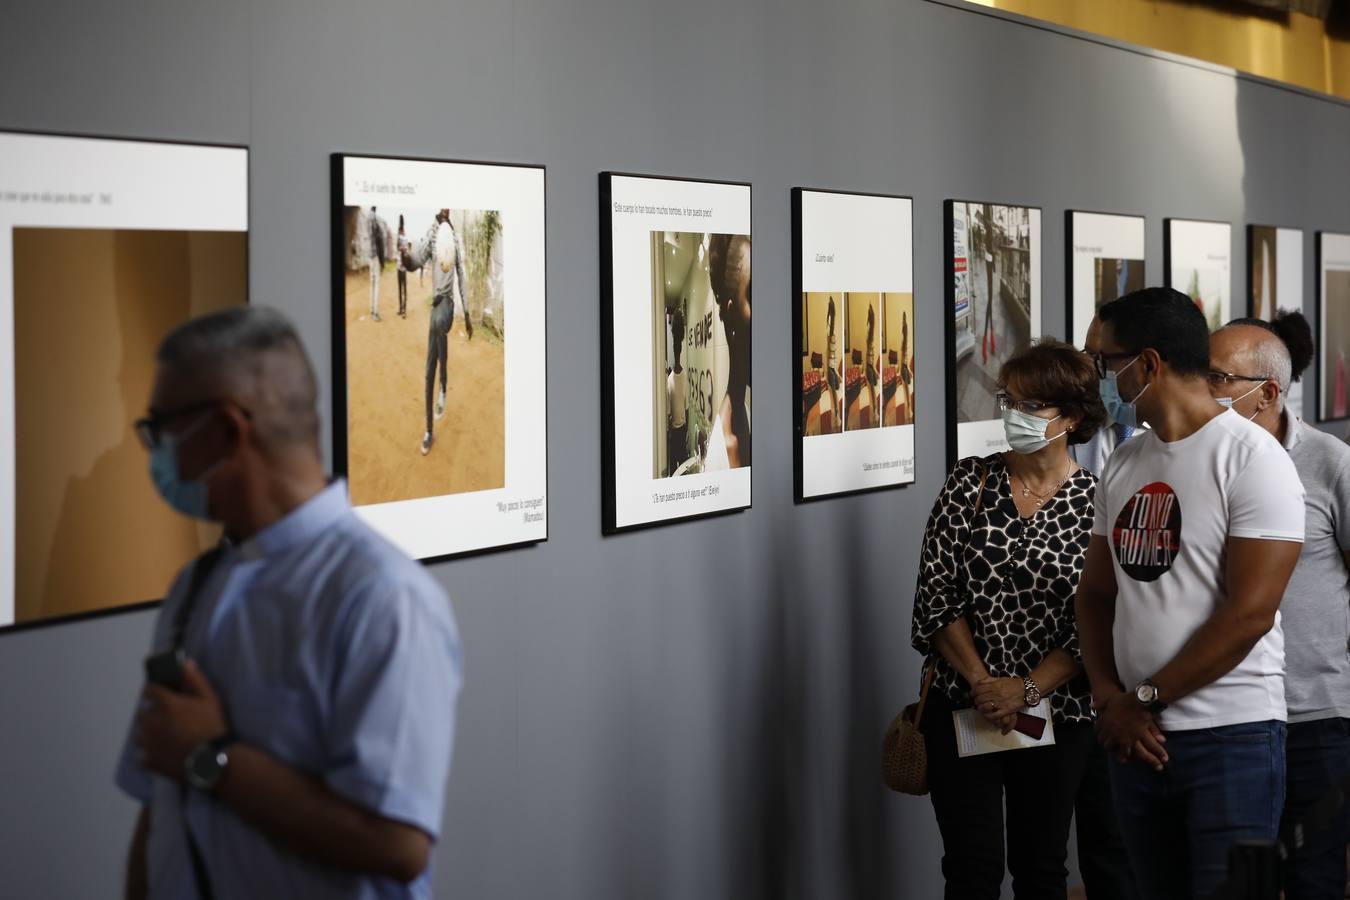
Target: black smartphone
<point x="166" y="668"/>
<point x="1032" y="726"/>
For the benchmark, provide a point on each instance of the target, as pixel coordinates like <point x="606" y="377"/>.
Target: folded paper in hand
<point x="975" y="734"/>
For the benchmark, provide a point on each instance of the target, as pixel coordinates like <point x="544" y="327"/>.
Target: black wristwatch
<point x="1031" y="691"/>
<point x="1146" y="692"/>
<point x="205" y="765"/>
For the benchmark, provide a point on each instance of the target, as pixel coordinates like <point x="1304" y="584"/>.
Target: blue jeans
<point x="1220" y="785"/>
<point x="1318" y="760"/>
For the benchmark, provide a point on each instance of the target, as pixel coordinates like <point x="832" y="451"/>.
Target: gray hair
<point x="1268" y="355"/>
<point x="253" y="356"/>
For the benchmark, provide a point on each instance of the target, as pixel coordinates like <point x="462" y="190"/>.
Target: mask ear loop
<point x="1061" y="434"/>
<point x="1136" y="359"/>
<point x="187" y="432"/>
<point x="1253" y="391"/>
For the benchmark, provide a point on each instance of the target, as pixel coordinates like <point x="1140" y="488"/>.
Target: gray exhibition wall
<point x="690" y="711"/>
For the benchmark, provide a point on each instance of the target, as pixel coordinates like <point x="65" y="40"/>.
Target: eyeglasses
<point x="1031" y="407"/>
<point x="1218" y="378"/>
<point x="1102" y="361"/>
<point x="150" y="429"/>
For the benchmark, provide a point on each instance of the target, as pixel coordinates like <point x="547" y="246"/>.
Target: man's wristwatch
<point x="1146" y="692"/>
<point x="1031" y="691"/>
<point x="205" y="765"/>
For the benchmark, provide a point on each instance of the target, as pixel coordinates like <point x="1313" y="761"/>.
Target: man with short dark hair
<point x="1094" y="454"/>
<point x="1252" y="365"/>
<point x="294" y="740"/>
<point x="1199" y="523"/>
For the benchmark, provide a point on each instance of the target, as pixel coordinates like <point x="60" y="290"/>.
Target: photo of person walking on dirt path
<point x="442" y="246"/>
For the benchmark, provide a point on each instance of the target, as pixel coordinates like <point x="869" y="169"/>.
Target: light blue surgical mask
<point x="1026" y="433"/>
<point x="1118" y="410"/>
<point x="190" y="498"/>
<point x="1227" y="402"/>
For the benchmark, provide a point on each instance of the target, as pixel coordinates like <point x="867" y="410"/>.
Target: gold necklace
<point x="1041" y="498"/>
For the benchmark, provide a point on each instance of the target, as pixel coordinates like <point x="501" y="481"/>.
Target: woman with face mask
<point x="994" y="615"/>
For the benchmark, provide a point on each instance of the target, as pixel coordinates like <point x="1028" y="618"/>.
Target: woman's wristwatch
<point x="1031" y="692"/>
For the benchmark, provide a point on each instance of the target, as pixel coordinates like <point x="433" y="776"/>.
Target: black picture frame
<point x="149" y="603"/>
<point x="608" y="474"/>
<point x="1319" y="302"/>
<point x="1167" y="252"/>
<point x="798" y="476"/>
<point x="1249" y="282"/>
<point x="950" y="356"/>
<point x="1070" y="300"/>
<point x="338" y="332"/>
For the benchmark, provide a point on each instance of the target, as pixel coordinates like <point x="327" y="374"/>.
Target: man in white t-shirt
<point x="1198" y="527"/>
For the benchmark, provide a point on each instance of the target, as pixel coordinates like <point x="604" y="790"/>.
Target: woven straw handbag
<point x="904" y="757"/>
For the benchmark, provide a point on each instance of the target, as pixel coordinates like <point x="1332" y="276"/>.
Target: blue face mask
<point x="187" y="497"/>
<point x="1118" y="410"/>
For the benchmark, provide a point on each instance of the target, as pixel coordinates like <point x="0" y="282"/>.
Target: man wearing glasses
<point x="1252" y="365"/>
<point x="1199" y="523"/>
<point x="293" y="739"/>
<point x="1094" y="454"/>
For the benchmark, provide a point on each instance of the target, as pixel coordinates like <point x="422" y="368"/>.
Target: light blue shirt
<point x="1093" y="454"/>
<point x="337" y="655"/>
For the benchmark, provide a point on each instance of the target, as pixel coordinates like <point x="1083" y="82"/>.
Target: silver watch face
<point x="1146" y="693"/>
<point x="1031" y="694"/>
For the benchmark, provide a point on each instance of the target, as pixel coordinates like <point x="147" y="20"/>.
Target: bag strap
<point x="979" y="492"/>
<point x="923" y="696"/>
<point x="201" y="570"/>
<point x="203" y="880"/>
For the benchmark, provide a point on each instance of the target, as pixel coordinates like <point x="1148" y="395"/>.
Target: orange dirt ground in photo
<point x="386" y="412"/>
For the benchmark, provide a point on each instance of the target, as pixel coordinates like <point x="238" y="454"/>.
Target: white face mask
<point x="1026" y="433"/>
<point x="1227" y="402"/>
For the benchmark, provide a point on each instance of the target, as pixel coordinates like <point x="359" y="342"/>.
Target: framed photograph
<point x="1197" y="260"/>
<point x="1105" y="261"/>
<point x="1275" y="282"/>
<point x="1333" y="326"/>
<point x="675" y="348"/>
<point x="439" y="357"/>
<point x="993" y="312"/>
<point x="853" y="354"/>
<point x="105" y="247"/>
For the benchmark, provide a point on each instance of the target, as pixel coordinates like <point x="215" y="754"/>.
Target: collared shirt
<point x="1316" y="605"/>
<point x="1093" y="454"/>
<point x="335" y="654"/>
